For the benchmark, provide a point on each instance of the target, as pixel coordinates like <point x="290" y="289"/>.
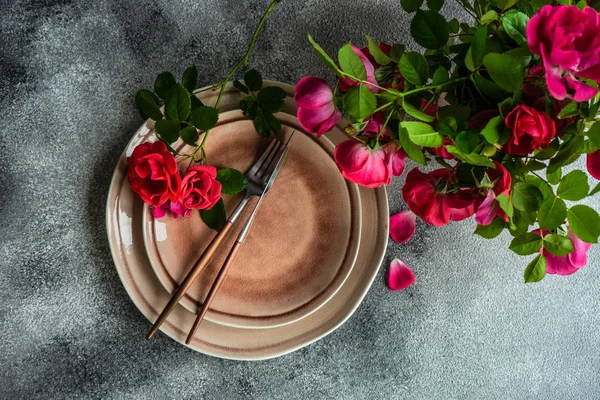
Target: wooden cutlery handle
<point x="213" y="290"/>
<point x="190" y="278"/>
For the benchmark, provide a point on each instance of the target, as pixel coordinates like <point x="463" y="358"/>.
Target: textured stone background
<point x="469" y="327"/>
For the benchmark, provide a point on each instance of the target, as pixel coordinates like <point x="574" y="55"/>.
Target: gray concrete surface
<point x="468" y="329"/>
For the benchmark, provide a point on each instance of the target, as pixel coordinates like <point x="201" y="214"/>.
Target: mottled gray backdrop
<point x="469" y="328"/>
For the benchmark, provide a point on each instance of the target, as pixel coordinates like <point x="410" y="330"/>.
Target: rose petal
<point x="583" y="92"/>
<point x="593" y="164"/>
<point x="487" y="210"/>
<point x="312" y="93"/>
<point x="400" y="276"/>
<point x="158" y="212"/>
<point x="402" y="226"/>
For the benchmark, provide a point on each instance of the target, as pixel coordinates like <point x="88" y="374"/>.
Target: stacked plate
<point x="312" y="254"/>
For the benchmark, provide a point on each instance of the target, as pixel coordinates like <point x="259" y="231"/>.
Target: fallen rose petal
<point x="402" y="226"/>
<point x="400" y="276"/>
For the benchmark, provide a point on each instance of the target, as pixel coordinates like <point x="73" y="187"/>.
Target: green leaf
<point x="265" y="123"/>
<point x="440" y="76"/>
<point x="351" y="63"/>
<point x="492" y="230"/>
<point x="584" y="222"/>
<point x="189" y="80"/>
<point x="396" y="53"/>
<point x="412" y="150"/>
<point x="488" y="88"/>
<point x="574" y="186"/>
<point x="552" y="214"/>
<point x="558" y="245"/>
<point x="535" y="165"/>
<point x="411" y="5"/>
<point x="380" y="57"/>
<point x="478" y="46"/>
<point x="454" y="25"/>
<point x="491" y="132"/>
<point x="430" y="29"/>
<point x="435" y="5"/>
<point x="594" y="134"/>
<point x="506" y="205"/>
<point x="515" y="25"/>
<point x="178" y="103"/>
<point x="548" y="152"/>
<point x="546" y="190"/>
<point x="489" y="16"/>
<point x="328" y="61"/>
<point x="232" y="180"/>
<point x="522" y="55"/>
<point x="467" y="141"/>
<point x="190" y="136"/>
<point x="526" y="197"/>
<point x="536" y="270"/>
<point x="595" y="190"/>
<point x="163" y="84"/>
<point x="568" y="153"/>
<point x="271" y="99"/>
<point x="168" y="130"/>
<point x="204" y="118"/>
<point x="422" y="134"/>
<point x="146" y="104"/>
<point x="253" y="80"/>
<point x="473" y="158"/>
<point x="240" y="86"/>
<point x="414" y="68"/>
<point x="568" y="111"/>
<point x="526" y="243"/>
<point x="360" y="102"/>
<point x="216" y="217"/>
<point x="554" y="177"/>
<point x="249" y="107"/>
<point x="195" y="101"/>
<point x="504" y="70"/>
<point x="416" y="112"/>
<point x="506" y="4"/>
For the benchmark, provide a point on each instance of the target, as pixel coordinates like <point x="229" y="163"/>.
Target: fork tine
<point x="262" y="158"/>
<point x="272" y="156"/>
<point x="273" y="168"/>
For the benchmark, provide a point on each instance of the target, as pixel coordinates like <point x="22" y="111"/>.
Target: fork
<point x="257" y="177"/>
<point x="233" y="252"/>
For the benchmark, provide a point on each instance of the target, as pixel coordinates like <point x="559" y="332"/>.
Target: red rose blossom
<point x="153" y="174"/>
<point x="422" y="196"/>
<point x="531" y="130"/>
<point x="199" y="188"/>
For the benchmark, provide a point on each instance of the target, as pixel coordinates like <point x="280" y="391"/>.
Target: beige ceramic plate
<point x="302" y="245"/>
<point x="124" y="225"/>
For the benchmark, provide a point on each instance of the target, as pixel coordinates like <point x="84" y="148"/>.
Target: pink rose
<point x="531" y="130"/>
<point x="366" y="167"/>
<point x="567" y="40"/>
<point x="153" y="174"/>
<point x="566" y="265"/>
<point x="316" y="108"/>
<point x="199" y="188"/>
<point x="376" y="121"/>
<point x="346" y="84"/>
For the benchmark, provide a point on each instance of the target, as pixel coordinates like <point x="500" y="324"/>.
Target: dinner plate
<point x="302" y="245"/>
<point x="125" y="215"/>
